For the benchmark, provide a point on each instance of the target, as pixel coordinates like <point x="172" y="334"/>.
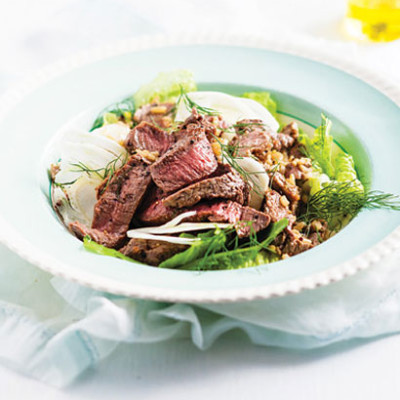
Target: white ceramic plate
<point x="364" y="109"/>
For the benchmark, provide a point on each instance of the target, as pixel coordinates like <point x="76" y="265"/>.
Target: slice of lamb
<point x="151" y="252"/>
<point x="153" y="211"/>
<point x="253" y="137"/>
<point x="227" y="184"/>
<point x="318" y="231"/>
<point x="156" y="209"/>
<point x="115" y="208"/>
<point x="253" y="222"/>
<point x="231" y="212"/>
<point x="146" y="136"/>
<point x="159" y="114"/>
<point x="220" y="211"/>
<point x="279" y="183"/>
<point x="157" y="213"/>
<point x="188" y="161"/>
<point x="196" y="121"/>
<point x="110" y="240"/>
<point x="275" y="209"/>
<point x="291" y="129"/>
<point x="296" y="243"/>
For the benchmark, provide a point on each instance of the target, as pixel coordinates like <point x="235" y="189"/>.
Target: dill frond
<point x="190" y="104"/>
<point x="339" y="199"/>
<point x="106" y="172"/>
<point x="229" y="154"/>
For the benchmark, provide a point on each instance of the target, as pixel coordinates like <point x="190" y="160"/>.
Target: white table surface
<point x="34" y="33"/>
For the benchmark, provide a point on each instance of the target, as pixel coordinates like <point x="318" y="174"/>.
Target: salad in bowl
<point x="178" y="178"/>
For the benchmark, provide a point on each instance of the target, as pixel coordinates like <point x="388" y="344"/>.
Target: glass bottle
<point x="376" y="20"/>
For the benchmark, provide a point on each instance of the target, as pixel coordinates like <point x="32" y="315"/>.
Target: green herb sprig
<point x="229" y="154"/>
<point x="90" y="245"/>
<point x="190" y="104"/>
<point x="106" y="172"/>
<point x="248" y="254"/>
<point x="338" y="199"/>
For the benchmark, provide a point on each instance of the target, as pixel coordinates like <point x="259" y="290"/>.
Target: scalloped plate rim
<point x="14" y="241"/>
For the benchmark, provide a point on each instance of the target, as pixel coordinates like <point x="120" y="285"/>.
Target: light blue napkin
<point x="54" y="330"/>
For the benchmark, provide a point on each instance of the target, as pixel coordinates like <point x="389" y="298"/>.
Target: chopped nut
<point x="158" y="110"/>
<point x="300" y="226"/>
<point x="148" y="155"/>
<point x="216" y="148"/>
<point x="166" y="122"/>
<point x="291" y="179"/>
<point x="297" y="234"/>
<point x="316" y="225"/>
<point x="303" y="167"/>
<point x="276" y="156"/>
<point x="284" y="201"/>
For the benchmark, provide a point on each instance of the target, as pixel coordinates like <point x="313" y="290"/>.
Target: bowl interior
<point x="365" y="125"/>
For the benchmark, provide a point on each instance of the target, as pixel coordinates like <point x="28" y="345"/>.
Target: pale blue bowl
<point x="366" y="124"/>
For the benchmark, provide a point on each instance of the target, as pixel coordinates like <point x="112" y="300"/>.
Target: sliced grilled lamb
<point x="147" y="136"/>
<point x="188" y="161"/>
<point x="253" y="137"/>
<point x="118" y="203"/>
<point x="226" y="183"/>
<point x="159" y="114"/>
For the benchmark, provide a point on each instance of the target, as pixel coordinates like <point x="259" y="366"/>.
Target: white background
<point x="35" y="33"/>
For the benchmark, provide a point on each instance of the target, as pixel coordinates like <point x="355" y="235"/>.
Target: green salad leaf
<point x="345" y="170"/>
<point x="124" y="110"/>
<point x="317" y="182"/>
<point x="327" y="169"/>
<point x="275" y="229"/>
<point x="167" y="86"/>
<point x="234" y="259"/>
<point x="93" y="247"/>
<point x="242" y="257"/>
<point x="211" y="252"/>
<point x="265" y="99"/>
<point x="210" y="241"/>
<point x="319" y="147"/>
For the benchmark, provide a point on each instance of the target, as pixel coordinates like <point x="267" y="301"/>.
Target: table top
<point x="36" y="33"/>
<point x="233" y="368"/>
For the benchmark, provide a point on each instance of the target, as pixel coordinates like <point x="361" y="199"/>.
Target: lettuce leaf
<point x="240" y="257"/>
<point x="317" y="182"/>
<point x="265" y="99"/>
<point x="235" y="259"/>
<point x="319" y="149"/>
<point x="320" y="146"/>
<point x="345" y="171"/>
<point x="93" y="247"/>
<point x="166" y="86"/>
<point x="211" y="240"/>
<point x="124" y="110"/>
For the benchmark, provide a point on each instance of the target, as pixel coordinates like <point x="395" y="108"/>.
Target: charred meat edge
<point x="117" y="205"/>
